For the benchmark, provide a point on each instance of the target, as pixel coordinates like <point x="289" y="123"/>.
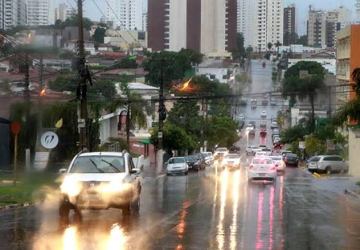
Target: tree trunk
<point x="312" y="116"/>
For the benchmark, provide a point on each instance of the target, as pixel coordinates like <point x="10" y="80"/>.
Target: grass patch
<point x="27" y="189"/>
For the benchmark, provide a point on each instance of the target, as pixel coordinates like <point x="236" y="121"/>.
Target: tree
<point x="303" y="80"/>
<point x="174" y="66"/>
<point x="294" y="133"/>
<point x="239" y="52"/>
<point x="269" y="46"/>
<point x="249" y="50"/>
<point x="350" y="110"/>
<point x="221" y="131"/>
<point x="127" y="63"/>
<point x="99" y="35"/>
<point x="277" y="45"/>
<point x="314" y="146"/>
<point x="74" y="21"/>
<point x="302" y="40"/>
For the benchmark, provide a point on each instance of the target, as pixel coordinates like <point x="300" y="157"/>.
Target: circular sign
<point x="15" y="127"/>
<point x="49" y="140"/>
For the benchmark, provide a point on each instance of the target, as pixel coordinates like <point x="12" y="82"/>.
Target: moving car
<point x="241" y="117"/>
<point x="263" y="133"/>
<point x="264" y="102"/>
<point x="261" y="153"/>
<point x="262" y="169"/>
<point x="177" y="165"/>
<point x="209" y="159"/>
<point x="253" y="103"/>
<point x="263" y="114"/>
<point x="327" y="164"/>
<point x="291" y="159"/>
<point x="195" y="162"/>
<point x="266" y="150"/>
<point x="279" y="163"/>
<point x="273" y="103"/>
<point x="220" y="152"/>
<point x="249" y="150"/>
<point x="274" y="125"/>
<point x="252" y="123"/>
<point x="263" y="124"/>
<point x="99" y="180"/>
<point x="231" y="161"/>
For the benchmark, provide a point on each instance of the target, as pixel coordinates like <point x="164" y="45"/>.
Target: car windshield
<point x="263" y="161"/>
<point x="314" y="159"/>
<point x="98" y="164"/>
<point x="177" y="160"/>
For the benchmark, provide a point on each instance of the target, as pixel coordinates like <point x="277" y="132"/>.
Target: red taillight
<point x="273" y="167"/>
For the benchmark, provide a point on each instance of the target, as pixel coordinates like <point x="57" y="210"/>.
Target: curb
<point x="14" y="206"/>
<point x="352" y="193"/>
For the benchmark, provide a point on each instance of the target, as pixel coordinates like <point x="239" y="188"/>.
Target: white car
<point x="267" y="151"/>
<point x="263" y="114"/>
<point x="249" y="150"/>
<point x="177" y="165"/>
<point x="209" y="159"/>
<point x="231" y="161"/>
<point x="262" y="168"/>
<point x="99" y="180"/>
<point x="274" y="125"/>
<point x="241" y="117"/>
<point x="220" y="152"/>
<point x="279" y="163"/>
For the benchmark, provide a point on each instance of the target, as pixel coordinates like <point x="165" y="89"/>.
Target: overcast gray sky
<point x="94" y="13"/>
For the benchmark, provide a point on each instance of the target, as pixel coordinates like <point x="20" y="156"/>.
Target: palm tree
<point x="351" y="110"/>
<point x="277" y="45"/>
<point x="269" y="45"/>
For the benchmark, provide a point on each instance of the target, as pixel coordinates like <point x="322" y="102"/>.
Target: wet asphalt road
<point x="206" y="210"/>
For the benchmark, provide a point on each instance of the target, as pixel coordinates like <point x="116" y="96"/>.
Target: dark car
<point x="291" y="159"/>
<point x="195" y="162"/>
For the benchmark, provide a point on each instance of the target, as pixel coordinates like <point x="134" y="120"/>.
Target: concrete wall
<point x="354" y="149"/>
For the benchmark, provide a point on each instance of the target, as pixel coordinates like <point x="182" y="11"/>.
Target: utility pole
<point x="41" y="93"/>
<point x="82" y="87"/>
<point x="162" y="117"/>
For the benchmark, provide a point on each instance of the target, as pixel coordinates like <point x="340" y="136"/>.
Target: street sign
<point x="15" y="127"/>
<point x="301" y="145"/>
<point x="49" y="140"/>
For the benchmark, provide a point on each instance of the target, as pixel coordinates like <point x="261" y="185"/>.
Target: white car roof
<point x="101" y="154"/>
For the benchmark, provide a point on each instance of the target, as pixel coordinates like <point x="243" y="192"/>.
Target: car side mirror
<point x="62" y="171"/>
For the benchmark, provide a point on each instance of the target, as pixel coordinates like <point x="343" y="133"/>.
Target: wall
<point x="354" y="149"/>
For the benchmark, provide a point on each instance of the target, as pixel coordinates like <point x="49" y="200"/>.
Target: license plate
<point x="261" y="174"/>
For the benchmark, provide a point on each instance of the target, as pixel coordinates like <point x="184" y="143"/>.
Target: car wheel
<point x="328" y="170"/>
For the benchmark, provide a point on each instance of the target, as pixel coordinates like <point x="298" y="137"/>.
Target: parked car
<point x="279" y="163"/>
<point x="250" y="150"/>
<point x="275" y="131"/>
<point x="231" y="161"/>
<point x="253" y="103"/>
<point x="284" y="152"/>
<point x="262" y="168"/>
<point x="273" y="103"/>
<point x="327" y="164"/>
<point x="291" y="159"/>
<point x="99" y="180"/>
<point x="177" y="165"/>
<point x="264" y="102"/>
<point x="252" y="123"/>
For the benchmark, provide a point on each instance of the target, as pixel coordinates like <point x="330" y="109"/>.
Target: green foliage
<point x="127" y="63"/>
<point x="221" y="130"/>
<point x="292" y="134"/>
<point x="301" y="87"/>
<point x="175" y="138"/>
<point x="99" y="35"/>
<point x="239" y="52"/>
<point x="314" y="146"/>
<point x="64" y="83"/>
<point x="269" y="46"/>
<point x="174" y="65"/>
<point x="303" y="40"/>
<point x="74" y="21"/>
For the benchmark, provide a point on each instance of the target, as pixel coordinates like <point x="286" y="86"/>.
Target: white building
<point x="40" y="12"/>
<point x="261" y="22"/>
<point x="62" y="12"/>
<point x="215" y="70"/>
<point x="125" y="14"/>
<point x="12" y="13"/>
<point x="357" y="10"/>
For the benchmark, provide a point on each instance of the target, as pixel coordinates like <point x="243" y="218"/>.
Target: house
<point x="72" y="46"/>
<point x="215" y="70"/>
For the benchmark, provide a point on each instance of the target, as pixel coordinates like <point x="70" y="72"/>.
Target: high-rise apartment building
<point x="125" y="14"/>
<point x="289" y="25"/>
<point x="12" y="13"/>
<point x="62" y="12"/>
<point x="207" y="26"/>
<point x="323" y="25"/>
<point x="40" y="12"/>
<point x="261" y="22"/>
<point x="357" y="10"/>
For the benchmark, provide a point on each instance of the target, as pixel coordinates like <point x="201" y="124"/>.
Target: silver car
<point x="327" y="163"/>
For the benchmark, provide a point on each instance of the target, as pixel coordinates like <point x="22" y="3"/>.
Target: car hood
<point x="101" y="177"/>
<point x="176" y="165"/>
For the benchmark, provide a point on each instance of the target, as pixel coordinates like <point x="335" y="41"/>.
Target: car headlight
<point x="71" y="187"/>
<point x="115" y="187"/>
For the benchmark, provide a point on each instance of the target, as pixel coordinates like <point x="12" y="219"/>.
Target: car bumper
<point x="102" y="201"/>
<point x="176" y="171"/>
<point x="262" y="176"/>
